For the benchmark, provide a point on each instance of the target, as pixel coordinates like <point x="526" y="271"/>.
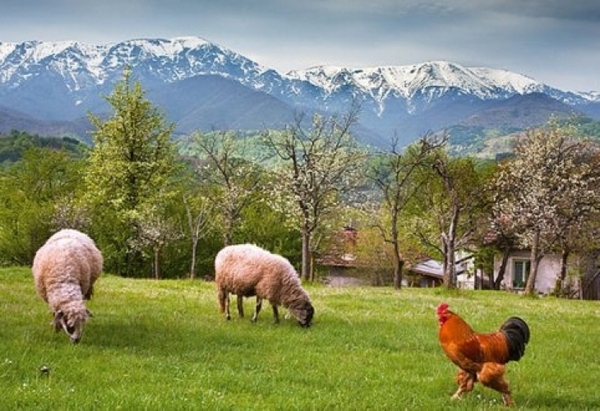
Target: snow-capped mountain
<point x="432" y="80"/>
<point x="202" y="85"/>
<point x="82" y="65"/>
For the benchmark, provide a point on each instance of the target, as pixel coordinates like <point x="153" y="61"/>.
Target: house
<point x="518" y="268"/>
<point x="340" y="265"/>
<point x="339" y="259"/>
<point x="430" y="273"/>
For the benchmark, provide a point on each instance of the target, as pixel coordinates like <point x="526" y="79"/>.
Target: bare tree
<point x="319" y="163"/>
<point x="451" y="201"/>
<point x="393" y="173"/>
<point x="198" y="221"/>
<point x="154" y="230"/>
<point x="234" y="178"/>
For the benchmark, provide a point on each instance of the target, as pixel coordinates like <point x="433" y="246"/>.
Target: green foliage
<point x="164" y="346"/>
<point x="33" y="193"/>
<point x="14" y="145"/>
<point x="268" y="228"/>
<point x="493" y="142"/>
<point x="129" y="180"/>
<point x="582" y="126"/>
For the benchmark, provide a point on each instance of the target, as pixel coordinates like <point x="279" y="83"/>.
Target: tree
<point x="198" y="222"/>
<point x="130" y="172"/>
<point x="451" y="204"/>
<point x="393" y="174"/>
<point x="33" y="192"/>
<point x="319" y="163"/>
<point x="235" y="180"/>
<point x="546" y="190"/>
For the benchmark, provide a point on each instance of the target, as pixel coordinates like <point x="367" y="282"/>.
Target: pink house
<point x="518" y="269"/>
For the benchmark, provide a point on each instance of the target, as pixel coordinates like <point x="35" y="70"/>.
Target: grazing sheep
<point x="247" y="270"/>
<point x="64" y="271"/>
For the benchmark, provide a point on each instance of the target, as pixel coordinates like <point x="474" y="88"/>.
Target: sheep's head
<point x="72" y="323"/>
<point x="304" y="313"/>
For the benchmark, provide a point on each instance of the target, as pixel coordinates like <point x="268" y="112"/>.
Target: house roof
<point x="434" y="268"/>
<point x="430" y="268"/>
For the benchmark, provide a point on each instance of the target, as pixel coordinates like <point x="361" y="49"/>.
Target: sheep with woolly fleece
<point x="248" y="270"/>
<point x="65" y="269"/>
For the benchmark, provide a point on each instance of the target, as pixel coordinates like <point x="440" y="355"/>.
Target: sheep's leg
<point x="89" y="294"/>
<point x="257" y="309"/>
<point x="275" y="313"/>
<point x="240" y="305"/>
<point x="224" y="303"/>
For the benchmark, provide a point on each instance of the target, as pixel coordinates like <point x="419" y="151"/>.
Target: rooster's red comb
<point x="442" y="307"/>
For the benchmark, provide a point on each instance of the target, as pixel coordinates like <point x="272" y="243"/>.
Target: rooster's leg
<point x="492" y="376"/>
<point x="465" y="381"/>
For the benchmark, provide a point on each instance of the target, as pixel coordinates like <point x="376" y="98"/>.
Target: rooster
<point x="481" y="357"/>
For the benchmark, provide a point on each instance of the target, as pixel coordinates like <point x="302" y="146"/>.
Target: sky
<point x="556" y="42"/>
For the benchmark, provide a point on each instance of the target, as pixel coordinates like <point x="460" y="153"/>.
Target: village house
<point x="341" y="268"/>
<point x="519" y="267"/>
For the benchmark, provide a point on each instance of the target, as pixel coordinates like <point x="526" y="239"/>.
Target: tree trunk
<point x="228" y="234"/>
<point x="560" y="281"/>
<point x="502" y="270"/>
<point x="194" y="252"/>
<point x="451" y="268"/>
<point x="449" y="248"/>
<point x="398" y="266"/>
<point x="445" y="269"/>
<point x="398" y="269"/>
<point x="449" y="262"/>
<point x="156" y="263"/>
<point x="535" y="262"/>
<point x="305" y="269"/>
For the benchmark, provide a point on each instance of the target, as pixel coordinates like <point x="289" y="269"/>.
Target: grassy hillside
<point x="162" y="345"/>
<point x="487" y="141"/>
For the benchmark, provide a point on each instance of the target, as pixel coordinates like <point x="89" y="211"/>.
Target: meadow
<point x="163" y="345"/>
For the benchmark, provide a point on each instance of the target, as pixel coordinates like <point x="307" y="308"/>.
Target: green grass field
<point x="162" y="345"/>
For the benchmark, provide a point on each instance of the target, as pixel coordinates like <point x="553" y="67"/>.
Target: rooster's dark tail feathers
<point x="516" y="332"/>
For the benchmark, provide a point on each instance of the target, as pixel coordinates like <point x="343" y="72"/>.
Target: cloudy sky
<point x="556" y="42"/>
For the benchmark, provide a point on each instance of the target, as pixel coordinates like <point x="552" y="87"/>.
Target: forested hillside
<point x="14" y="144"/>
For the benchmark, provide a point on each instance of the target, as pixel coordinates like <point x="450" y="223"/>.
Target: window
<point x="520" y="273"/>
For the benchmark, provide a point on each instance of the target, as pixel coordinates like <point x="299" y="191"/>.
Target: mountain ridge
<point x="63" y="81"/>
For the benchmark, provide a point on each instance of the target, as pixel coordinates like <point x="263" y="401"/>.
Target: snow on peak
<point x="190" y="42"/>
<point x="82" y="65"/>
<point x="96" y="63"/>
<point x="408" y="80"/>
<point x="164" y="47"/>
<point x="507" y="79"/>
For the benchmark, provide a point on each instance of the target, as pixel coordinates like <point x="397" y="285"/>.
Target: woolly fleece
<point x="248" y="270"/>
<point x="64" y="270"/>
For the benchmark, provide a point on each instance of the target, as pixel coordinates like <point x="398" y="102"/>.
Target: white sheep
<point x="248" y="270"/>
<point x="64" y="271"/>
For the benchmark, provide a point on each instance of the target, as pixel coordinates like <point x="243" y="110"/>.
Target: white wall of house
<point x="548" y="271"/>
